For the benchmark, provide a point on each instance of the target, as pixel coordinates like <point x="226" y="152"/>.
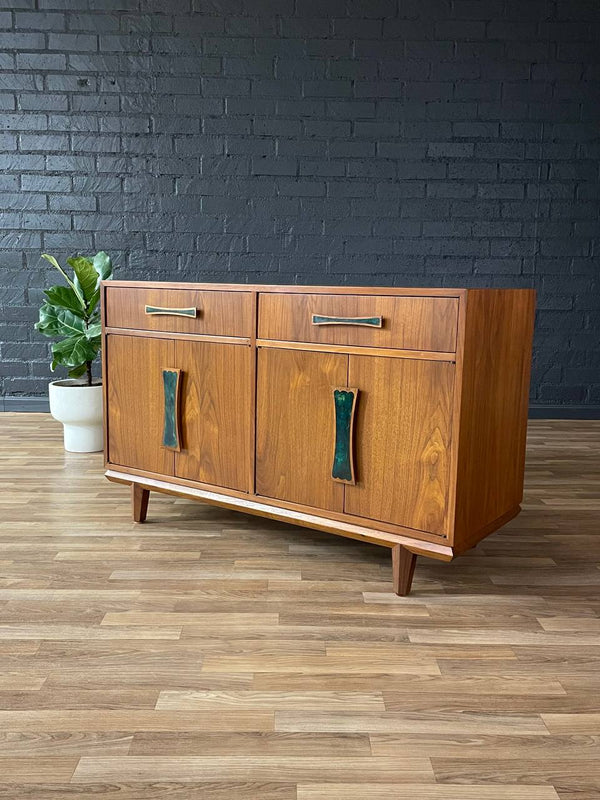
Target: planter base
<point x="79" y="408"/>
<point x="83" y="438"/>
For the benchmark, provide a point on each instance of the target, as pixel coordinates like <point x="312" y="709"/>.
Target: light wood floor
<point x="212" y="655"/>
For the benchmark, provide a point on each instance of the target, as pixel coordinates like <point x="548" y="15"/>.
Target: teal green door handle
<point x="344" y="401"/>
<point x="171" y="389"/>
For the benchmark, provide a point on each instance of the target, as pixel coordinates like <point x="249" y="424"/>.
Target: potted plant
<point x="71" y="314"/>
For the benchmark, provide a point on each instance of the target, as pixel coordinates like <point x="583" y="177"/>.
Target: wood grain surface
<point x="217" y="312"/>
<point x="494" y="391"/>
<point x="412" y="323"/>
<point x="216" y="413"/>
<point x="136" y="402"/>
<point x="295" y="426"/>
<point x="403" y="436"/>
<point x="214" y="655"/>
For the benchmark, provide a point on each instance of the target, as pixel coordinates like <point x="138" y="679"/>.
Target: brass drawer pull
<point x="370" y="322"/>
<point x="171" y="312"/>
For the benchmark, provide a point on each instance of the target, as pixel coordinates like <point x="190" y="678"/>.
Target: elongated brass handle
<point x="370" y="322"/>
<point x="172" y="390"/>
<point x="171" y="312"/>
<point x="344" y="401"/>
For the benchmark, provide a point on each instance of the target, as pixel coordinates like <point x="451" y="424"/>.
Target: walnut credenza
<point x="394" y="416"/>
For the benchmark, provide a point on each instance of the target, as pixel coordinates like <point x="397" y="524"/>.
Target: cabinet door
<point x="134" y="367"/>
<point x="295" y="426"/>
<point x="402" y="438"/>
<point x="215" y="413"/>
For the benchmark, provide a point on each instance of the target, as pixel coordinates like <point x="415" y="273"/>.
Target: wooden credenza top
<point x="409" y="291"/>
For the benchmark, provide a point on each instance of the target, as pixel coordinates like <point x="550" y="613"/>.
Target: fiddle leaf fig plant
<point x="71" y="313"/>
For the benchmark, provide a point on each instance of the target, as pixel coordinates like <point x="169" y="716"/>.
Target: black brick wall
<point x="392" y="142"/>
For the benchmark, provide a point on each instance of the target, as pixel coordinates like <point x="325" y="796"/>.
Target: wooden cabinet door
<point x="135" y="402"/>
<point x="295" y="426"/>
<point x="215" y="413"/>
<point x="402" y="441"/>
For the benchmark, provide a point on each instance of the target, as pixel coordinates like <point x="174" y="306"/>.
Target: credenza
<point x="392" y="416"/>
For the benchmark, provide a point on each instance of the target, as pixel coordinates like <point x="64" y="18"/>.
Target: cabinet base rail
<point x="404" y="549"/>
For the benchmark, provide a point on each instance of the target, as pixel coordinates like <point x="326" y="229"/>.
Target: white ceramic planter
<point x="79" y="408"/>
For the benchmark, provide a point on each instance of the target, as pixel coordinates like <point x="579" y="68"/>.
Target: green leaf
<point x="46" y="323"/>
<point x="103" y="265"/>
<point x="74" y="351"/>
<point x="64" y="297"/>
<point x="57" y="266"/>
<point x="71" y="313"/>
<point x="77" y="372"/>
<point x="86" y="275"/>
<point x="56" y="321"/>
<point x="94" y="301"/>
<point x="94" y="330"/>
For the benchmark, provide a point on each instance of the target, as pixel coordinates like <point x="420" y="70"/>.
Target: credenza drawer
<point x="409" y="323"/>
<point x="218" y="313"/>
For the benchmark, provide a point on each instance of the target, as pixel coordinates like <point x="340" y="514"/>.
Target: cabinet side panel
<point x="103" y="361"/>
<point x="493" y="416"/>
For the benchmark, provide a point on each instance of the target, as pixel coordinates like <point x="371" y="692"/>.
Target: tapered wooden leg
<point x="139" y="502"/>
<point x="403" y="568"/>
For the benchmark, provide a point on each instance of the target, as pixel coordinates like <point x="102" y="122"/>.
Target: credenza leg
<point x="403" y="568"/>
<point x="139" y="502"/>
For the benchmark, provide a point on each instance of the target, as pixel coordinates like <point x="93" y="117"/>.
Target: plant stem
<point x="88" y="366"/>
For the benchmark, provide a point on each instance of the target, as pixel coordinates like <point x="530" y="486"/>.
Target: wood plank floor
<point x="212" y="655"/>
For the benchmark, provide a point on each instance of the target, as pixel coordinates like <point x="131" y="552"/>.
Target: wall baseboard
<point x="40" y="404"/>
<point x="564" y="412"/>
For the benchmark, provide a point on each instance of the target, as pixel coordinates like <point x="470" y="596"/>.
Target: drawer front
<point x="218" y="313"/>
<point x="409" y="323"/>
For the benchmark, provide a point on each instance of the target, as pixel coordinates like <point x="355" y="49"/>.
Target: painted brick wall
<point x="392" y="142"/>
